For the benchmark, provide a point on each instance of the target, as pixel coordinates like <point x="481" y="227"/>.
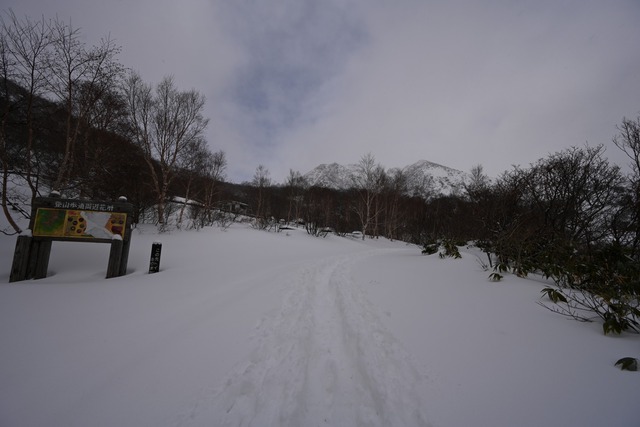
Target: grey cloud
<point x="497" y="83"/>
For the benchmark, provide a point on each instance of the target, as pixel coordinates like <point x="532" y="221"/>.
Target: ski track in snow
<point x="324" y="359"/>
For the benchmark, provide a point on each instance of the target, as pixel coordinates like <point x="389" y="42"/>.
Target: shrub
<point x="447" y="248"/>
<point x="628" y="364"/>
<point x="601" y="286"/>
<point x="430" y="247"/>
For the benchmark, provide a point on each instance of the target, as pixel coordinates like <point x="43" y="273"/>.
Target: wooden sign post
<point x="57" y="219"/>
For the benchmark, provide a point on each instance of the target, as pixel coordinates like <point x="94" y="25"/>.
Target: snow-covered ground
<point x="250" y="328"/>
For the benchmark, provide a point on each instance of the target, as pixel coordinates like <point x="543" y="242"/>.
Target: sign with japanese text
<point x="72" y="223"/>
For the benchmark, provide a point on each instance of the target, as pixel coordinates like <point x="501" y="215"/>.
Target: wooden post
<point x="20" y="259"/>
<point x="115" y="259"/>
<point x="126" y="243"/>
<point x="124" y="257"/>
<point x="41" y="251"/>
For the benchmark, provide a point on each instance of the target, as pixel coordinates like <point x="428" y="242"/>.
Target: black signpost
<point x="154" y="262"/>
<point x="57" y="219"/>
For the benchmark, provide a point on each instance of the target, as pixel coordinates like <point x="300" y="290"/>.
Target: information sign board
<point x="78" y="224"/>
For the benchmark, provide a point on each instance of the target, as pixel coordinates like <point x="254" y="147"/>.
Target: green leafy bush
<point x="554" y="295"/>
<point x="602" y="285"/>
<point x="495" y="277"/>
<point x="430" y="248"/>
<point x="447" y="248"/>
<point x="628" y="364"/>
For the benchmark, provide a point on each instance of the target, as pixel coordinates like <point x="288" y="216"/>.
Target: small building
<point x="235" y="207"/>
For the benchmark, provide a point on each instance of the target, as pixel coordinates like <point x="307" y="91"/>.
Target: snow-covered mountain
<point x="426" y="179"/>
<point x="423" y="178"/>
<point x="332" y="175"/>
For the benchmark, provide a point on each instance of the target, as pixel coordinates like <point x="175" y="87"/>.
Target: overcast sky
<point x="291" y="84"/>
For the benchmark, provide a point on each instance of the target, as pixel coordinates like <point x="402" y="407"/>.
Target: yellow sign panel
<point x="78" y="223"/>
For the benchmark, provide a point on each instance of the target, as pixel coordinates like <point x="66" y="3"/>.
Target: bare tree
<point x="163" y="123"/>
<point x="79" y="78"/>
<point x="626" y="223"/>
<point x="628" y="140"/>
<point x="260" y="182"/>
<point x="296" y="185"/>
<point x="573" y="191"/>
<point x="320" y="210"/>
<point x="395" y="188"/>
<point x="25" y="51"/>
<point x="105" y="122"/>
<point x="368" y="180"/>
<point x="192" y="164"/>
<point x="214" y="173"/>
<point x="478" y="183"/>
<point x="6" y="68"/>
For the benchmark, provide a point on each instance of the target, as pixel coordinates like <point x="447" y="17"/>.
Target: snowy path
<point x="323" y="359"/>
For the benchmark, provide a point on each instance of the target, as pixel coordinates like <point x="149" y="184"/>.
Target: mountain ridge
<point x="422" y="178"/>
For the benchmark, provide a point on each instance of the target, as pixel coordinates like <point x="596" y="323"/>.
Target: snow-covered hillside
<point x="250" y="328"/>
<point x="426" y="179"/>
<point x="423" y="178"/>
<point x="333" y="175"/>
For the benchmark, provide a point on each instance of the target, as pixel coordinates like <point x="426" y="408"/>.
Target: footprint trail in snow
<point x="324" y="359"/>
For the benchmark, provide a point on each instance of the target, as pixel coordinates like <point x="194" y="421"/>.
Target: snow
<point x="251" y="328"/>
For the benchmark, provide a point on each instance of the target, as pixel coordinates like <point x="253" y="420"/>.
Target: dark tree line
<point x="573" y="200"/>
